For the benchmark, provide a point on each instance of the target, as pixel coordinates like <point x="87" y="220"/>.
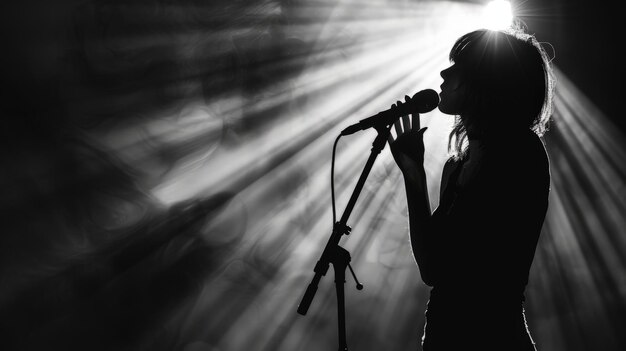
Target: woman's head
<point x="500" y="82"/>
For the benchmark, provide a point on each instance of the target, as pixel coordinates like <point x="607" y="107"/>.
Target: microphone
<point x="422" y="102"/>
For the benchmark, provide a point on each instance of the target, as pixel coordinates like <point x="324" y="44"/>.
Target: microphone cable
<point x="332" y="179"/>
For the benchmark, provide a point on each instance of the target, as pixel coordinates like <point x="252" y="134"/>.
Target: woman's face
<point x="452" y="91"/>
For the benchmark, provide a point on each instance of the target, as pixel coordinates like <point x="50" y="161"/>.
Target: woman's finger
<point x="390" y="139"/>
<point x="415" y="122"/>
<point x="398" y="128"/>
<point x="406" y="123"/>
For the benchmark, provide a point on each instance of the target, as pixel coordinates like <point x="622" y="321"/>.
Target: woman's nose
<point x="444" y="73"/>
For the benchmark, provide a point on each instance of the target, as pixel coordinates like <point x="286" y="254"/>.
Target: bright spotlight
<point x="498" y="15"/>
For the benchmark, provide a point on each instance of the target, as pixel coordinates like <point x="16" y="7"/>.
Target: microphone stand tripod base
<point x="340" y="258"/>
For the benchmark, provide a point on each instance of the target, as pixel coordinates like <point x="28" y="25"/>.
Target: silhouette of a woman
<point x="476" y="248"/>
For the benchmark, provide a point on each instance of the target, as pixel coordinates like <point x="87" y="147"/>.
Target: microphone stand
<point x="337" y="255"/>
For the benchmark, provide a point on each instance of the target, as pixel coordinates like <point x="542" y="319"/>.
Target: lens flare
<point x="497" y="15"/>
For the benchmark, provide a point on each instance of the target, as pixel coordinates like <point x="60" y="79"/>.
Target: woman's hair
<point x="509" y="85"/>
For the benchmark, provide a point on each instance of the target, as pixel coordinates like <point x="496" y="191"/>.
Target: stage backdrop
<point x="166" y="178"/>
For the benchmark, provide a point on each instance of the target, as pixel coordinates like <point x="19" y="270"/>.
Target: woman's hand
<point x="408" y="152"/>
<point x="408" y="146"/>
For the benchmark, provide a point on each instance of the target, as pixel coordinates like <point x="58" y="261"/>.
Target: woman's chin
<point x="445" y="109"/>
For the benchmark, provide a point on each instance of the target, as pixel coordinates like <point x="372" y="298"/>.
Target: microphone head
<point x="425" y="101"/>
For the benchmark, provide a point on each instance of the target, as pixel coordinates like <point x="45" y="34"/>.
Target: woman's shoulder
<point x="452" y="162"/>
<point x="533" y="153"/>
<point x="522" y="161"/>
<point x="451" y="165"/>
<point x="521" y="151"/>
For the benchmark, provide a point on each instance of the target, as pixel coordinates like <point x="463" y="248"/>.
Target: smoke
<point x="103" y="101"/>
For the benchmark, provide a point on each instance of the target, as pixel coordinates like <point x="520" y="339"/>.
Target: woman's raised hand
<point x="407" y="147"/>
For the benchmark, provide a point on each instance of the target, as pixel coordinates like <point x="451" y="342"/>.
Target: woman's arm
<point x="420" y="225"/>
<point x="408" y="152"/>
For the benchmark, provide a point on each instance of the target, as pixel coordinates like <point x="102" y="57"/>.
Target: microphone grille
<point x="425" y="100"/>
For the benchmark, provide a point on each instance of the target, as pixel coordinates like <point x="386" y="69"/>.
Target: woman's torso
<point x="487" y="224"/>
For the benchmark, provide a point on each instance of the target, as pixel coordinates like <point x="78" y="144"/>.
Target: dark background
<point x="54" y="82"/>
<point x="587" y="38"/>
